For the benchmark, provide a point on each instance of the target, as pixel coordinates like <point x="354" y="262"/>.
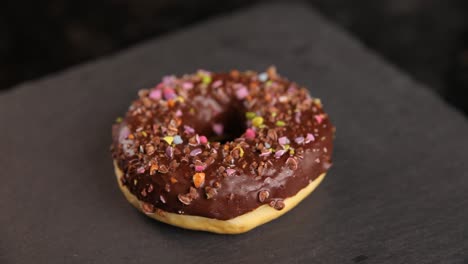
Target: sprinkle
<point x="297" y="117"/>
<point x="168" y="139"/>
<point x="203" y="139"/>
<point x="267" y="145"/>
<point x="318" y="102"/>
<point x="299" y="140"/>
<point x="280" y="153"/>
<point x="200" y="167"/>
<point x="124" y="133"/>
<point x="141" y="170"/>
<point x="206" y="79"/>
<point x="319" y="118"/>
<point x="170" y="152"/>
<point x="309" y="138"/>
<point x="178" y="113"/>
<point x="280" y="123"/>
<point x="169" y="93"/>
<point x="250" y="133"/>
<point x="119" y="120"/>
<point x="178" y="140"/>
<point x="218" y="128"/>
<point x="250" y="115"/>
<point x="264" y="154"/>
<point x="155" y="94"/>
<point x="217" y="84"/>
<point x="283" y="141"/>
<point x="187" y="85"/>
<point x="257" y="121"/>
<point x="230" y="171"/>
<point x="195" y="152"/>
<point x="169" y="80"/>
<point x="198" y="179"/>
<point x="263" y="77"/>
<point x="241" y="151"/>
<point x="242" y="92"/>
<point x="189" y="130"/>
<point x="144" y="133"/>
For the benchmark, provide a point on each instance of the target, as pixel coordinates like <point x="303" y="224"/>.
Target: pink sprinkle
<point x="217" y="84"/>
<point x="188" y="129"/>
<point x="265" y="154"/>
<point x="299" y="140"/>
<point x="195" y="152"/>
<point x="169" y="152"/>
<point x="203" y="140"/>
<point x="124" y="132"/>
<point x="218" y="129"/>
<point x="178" y="113"/>
<point x="141" y="170"/>
<point x="242" y="92"/>
<point x="309" y="138"/>
<point x="169" y="80"/>
<point x="199" y="167"/>
<point x="155" y="94"/>
<point x="297" y="117"/>
<point x="280" y="153"/>
<point x="160" y="86"/>
<point x="187" y="85"/>
<point x="230" y="171"/>
<point x="319" y="118"/>
<point x="169" y="93"/>
<point x="250" y="133"/>
<point x="283" y="141"/>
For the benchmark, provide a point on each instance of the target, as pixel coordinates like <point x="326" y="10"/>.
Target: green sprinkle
<point x="119" y="120"/>
<point x="250" y="115"/>
<point x="206" y="79"/>
<point x="257" y="121"/>
<point x="280" y="123"/>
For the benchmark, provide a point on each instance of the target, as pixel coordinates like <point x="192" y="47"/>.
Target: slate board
<point x="397" y="192"/>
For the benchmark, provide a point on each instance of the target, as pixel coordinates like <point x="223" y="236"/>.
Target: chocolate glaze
<point x="237" y="177"/>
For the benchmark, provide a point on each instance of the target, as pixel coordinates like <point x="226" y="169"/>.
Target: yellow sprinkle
<point x="180" y="99"/>
<point x="273" y="114"/>
<point x="291" y="151"/>
<point x="286" y="147"/>
<point x="318" y="102"/>
<point x="144" y="133"/>
<point x="257" y="121"/>
<point x="241" y="151"/>
<point x="280" y="123"/>
<point x="168" y="139"/>
<point x="206" y="79"/>
<point x="250" y="115"/>
<point x="118" y="120"/>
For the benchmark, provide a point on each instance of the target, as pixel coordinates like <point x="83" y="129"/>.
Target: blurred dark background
<point x="426" y="38"/>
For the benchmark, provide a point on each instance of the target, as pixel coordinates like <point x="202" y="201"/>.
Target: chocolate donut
<point x="221" y="152"/>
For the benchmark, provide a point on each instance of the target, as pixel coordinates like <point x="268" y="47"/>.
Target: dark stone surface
<point x="396" y="194"/>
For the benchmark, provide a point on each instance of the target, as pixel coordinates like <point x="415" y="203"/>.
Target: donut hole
<point x="233" y="124"/>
